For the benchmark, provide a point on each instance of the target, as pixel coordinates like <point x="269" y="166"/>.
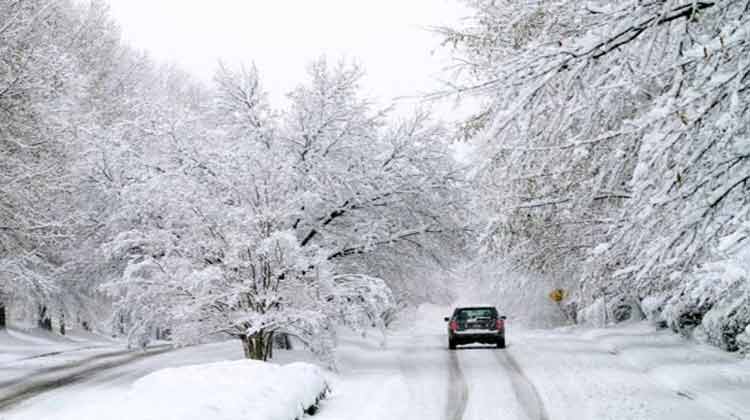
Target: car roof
<point x="475" y="307"/>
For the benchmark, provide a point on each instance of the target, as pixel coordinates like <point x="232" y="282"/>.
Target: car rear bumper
<point x="490" y="337"/>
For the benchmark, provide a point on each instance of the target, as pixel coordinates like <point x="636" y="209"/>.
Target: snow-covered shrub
<point x="570" y="310"/>
<point x="726" y="321"/>
<point x="714" y="302"/>
<point x="684" y="312"/>
<point x="594" y="314"/>
<point x="362" y="302"/>
<point x="607" y="310"/>
<point x="743" y="340"/>
<point x="652" y="307"/>
<point x="624" y="308"/>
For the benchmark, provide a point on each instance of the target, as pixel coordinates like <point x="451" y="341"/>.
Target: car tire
<point x="501" y="343"/>
<point x="451" y="344"/>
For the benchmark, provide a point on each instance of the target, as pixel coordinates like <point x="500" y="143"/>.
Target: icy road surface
<point x="623" y="373"/>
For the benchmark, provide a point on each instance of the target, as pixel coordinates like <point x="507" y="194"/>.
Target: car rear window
<point x="470" y="313"/>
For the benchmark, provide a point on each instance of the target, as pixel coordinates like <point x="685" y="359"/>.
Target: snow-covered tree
<point x="370" y="185"/>
<point x="74" y="98"/>
<point x="128" y="189"/>
<point x="616" y="134"/>
<point x="262" y="225"/>
<point x="38" y="94"/>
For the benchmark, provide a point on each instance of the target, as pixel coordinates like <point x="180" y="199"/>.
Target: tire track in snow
<point x="526" y="392"/>
<point x="458" y="390"/>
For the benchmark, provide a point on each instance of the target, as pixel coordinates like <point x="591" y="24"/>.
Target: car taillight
<point x="499" y="325"/>
<point x="454" y="325"/>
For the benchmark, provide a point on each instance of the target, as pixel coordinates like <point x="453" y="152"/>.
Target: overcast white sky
<point x="281" y="36"/>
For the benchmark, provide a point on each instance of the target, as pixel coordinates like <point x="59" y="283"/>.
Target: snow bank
<point x="239" y="390"/>
<point x="632" y="371"/>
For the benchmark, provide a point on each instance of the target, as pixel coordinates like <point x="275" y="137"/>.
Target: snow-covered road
<point x="417" y="377"/>
<point x="623" y="373"/>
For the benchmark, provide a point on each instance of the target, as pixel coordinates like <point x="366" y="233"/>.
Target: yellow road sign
<point x="557" y="295"/>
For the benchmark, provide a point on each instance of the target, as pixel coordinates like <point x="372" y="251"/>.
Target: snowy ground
<point x="628" y="372"/>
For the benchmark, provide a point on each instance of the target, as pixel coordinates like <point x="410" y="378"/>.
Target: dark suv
<point x="480" y="324"/>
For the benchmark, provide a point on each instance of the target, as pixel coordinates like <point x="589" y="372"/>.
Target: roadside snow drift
<point x="239" y="390"/>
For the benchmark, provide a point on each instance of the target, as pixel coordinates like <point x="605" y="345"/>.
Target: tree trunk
<point x="269" y="347"/>
<point x="282" y="341"/>
<point x="245" y="346"/>
<point x="256" y="346"/>
<point x="3" y="324"/>
<point x="44" y="322"/>
<point x="84" y="324"/>
<point x="62" y="323"/>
